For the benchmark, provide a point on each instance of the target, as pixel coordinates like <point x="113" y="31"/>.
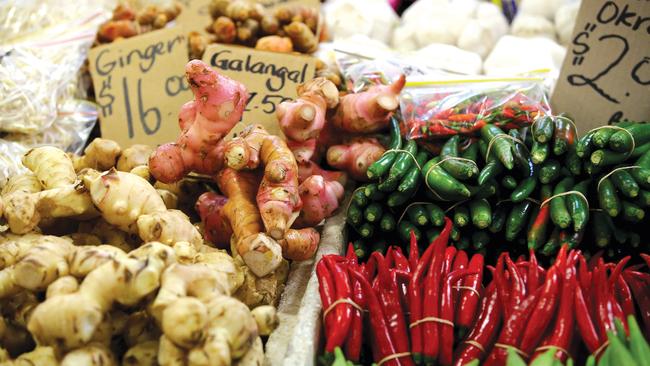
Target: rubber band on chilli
<point x="392" y="357"/>
<point x="507" y="346"/>
<point x="407" y="152"/>
<point x="344" y="300"/>
<point x="476" y="344"/>
<point x="455" y="205"/>
<point x="431" y="319"/>
<point x="601" y="348"/>
<point x="619" y="129"/>
<point x="614" y="171"/>
<point x="558" y="348"/>
<point x="502" y="135"/>
<point x="575" y="128"/>
<point x="433" y="166"/>
<point x="409" y="206"/>
<point x="525" y="199"/>
<point x="347" y="208"/>
<point x="546" y="201"/>
<point x="468" y="288"/>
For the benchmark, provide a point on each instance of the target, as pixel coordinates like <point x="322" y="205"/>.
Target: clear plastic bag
<point x="42" y="46"/>
<point x="438" y="109"/>
<point x="34" y="79"/>
<point x="69" y="132"/>
<point x="46" y="19"/>
<point x="361" y="72"/>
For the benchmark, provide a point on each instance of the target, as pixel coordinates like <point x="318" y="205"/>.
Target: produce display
<point x="420" y="200"/>
<point x="434" y="308"/>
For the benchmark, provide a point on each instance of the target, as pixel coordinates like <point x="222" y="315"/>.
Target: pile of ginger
<point x="99" y="267"/>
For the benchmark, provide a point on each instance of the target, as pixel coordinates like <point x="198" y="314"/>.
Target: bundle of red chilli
<point x="434" y="309"/>
<point x="439" y="109"/>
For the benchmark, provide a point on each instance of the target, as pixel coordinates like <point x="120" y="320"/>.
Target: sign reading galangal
<point x="270" y="78"/>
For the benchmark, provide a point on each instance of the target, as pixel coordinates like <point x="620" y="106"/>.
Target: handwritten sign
<point x="140" y="86"/>
<point x="195" y="15"/>
<point x="606" y="73"/>
<point x="271" y="78"/>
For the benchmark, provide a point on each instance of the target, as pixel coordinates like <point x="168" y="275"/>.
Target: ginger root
<point x="196" y="44"/>
<point x="63" y="285"/>
<point x="90" y="355"/>
<point x="168" y="227"/>
<point x="39" y="265"/>
<point x="117" y="29"/>
<point x="100" y="154"/>
<point x="224" y="29"/>
<point x="355" y="157"/>
<point x="25" y="206"/>
<point x="123" y="197"/>
<point x="302" y="36"/>
<point x="41" y="356"/>
<point x="70" y="320"/>
<point x="266" y="317"/>
<point x="247" y="31"/>
<point x="133" y="156"/>
<point x="218" y="106"/>
<point x="51" y="165"/>
<point x="142" y="354"/>
<point x="274" y="44"/>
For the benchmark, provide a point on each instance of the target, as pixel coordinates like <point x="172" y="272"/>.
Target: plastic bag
<point x="34" y="79"/>
<point x="361" y="72"/>
<point x="69" y="132"/>
<point x="42" y="46"/>
<point x="46" y="19"/>
<point x="438" y="109"/>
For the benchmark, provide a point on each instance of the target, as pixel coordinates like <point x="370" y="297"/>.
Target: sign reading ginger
<point x="270" y="78"/>
<point x="140" y="86"/>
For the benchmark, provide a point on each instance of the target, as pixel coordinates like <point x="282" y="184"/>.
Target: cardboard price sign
<point x="270" y="78"/>
<point x="195" y="15"/>
<point x="140" y="86"/>
<point x="606" y="72"/>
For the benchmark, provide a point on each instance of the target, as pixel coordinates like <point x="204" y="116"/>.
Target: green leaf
<point x="638" y="345"/>
<point x="620" y="331"/>
<point x="514" y="359"/>
<point x="619" y="355"/>
<point x="546" y="358"/>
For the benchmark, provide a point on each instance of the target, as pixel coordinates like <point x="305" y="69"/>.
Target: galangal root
<point x="218" y="105"/>
<point x="355" y="157"/>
